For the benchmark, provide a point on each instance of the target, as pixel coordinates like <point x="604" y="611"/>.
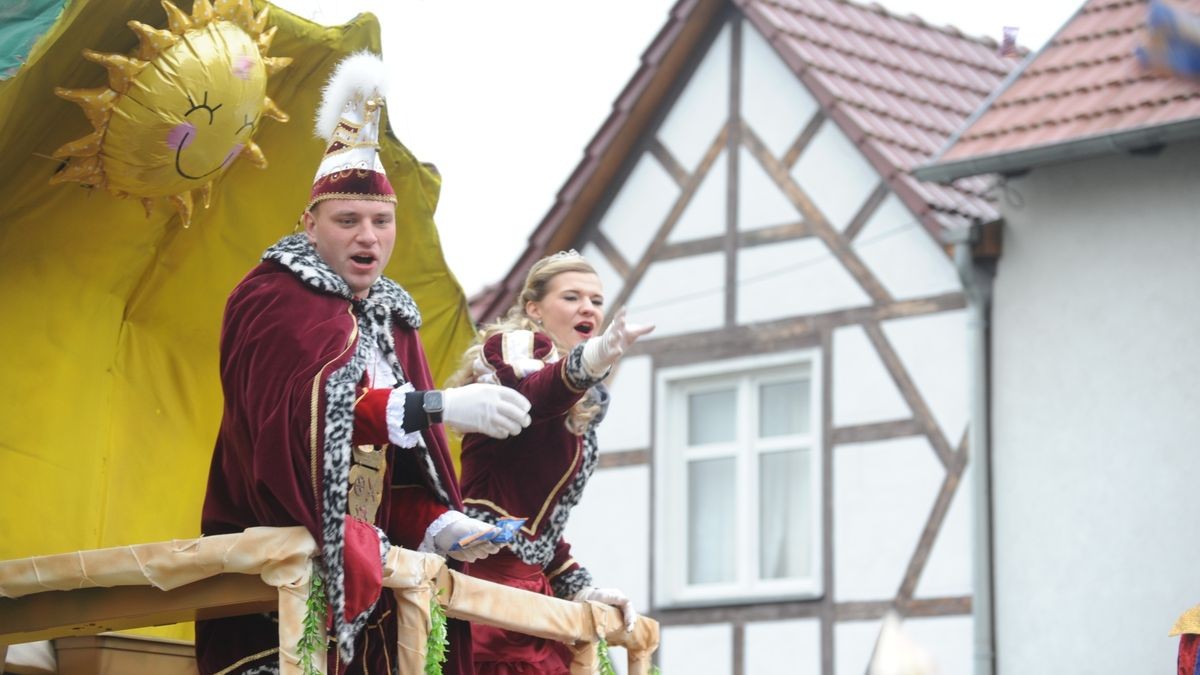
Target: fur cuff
<point x="567" y="584"/>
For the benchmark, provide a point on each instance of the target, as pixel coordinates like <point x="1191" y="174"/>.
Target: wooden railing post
<point x="293" y="605"/>
<point x="412" y="627"/>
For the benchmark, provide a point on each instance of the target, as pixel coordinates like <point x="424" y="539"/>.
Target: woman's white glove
<point x="610" y="596"/>
<point x="488" y="409"/>
<point x="602" y="351"/>
<point x="456" y="531"/>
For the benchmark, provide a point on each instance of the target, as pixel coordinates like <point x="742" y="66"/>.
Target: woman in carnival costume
<point x="548" y="347"/>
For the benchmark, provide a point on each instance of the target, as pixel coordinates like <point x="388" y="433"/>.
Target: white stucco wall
<point x="1097" y="414"/>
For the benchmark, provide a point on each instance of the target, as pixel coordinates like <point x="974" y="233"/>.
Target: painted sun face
<point x="181" y="123"/>
<point x="179" y="112"/>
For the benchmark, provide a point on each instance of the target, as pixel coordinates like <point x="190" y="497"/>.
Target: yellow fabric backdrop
<point x="111" y="399"/>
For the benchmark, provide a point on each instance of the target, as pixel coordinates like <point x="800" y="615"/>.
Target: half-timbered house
<point x="784" y="459"/>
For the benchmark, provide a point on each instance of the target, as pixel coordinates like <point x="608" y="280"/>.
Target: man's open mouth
<point x="363" y="259"/>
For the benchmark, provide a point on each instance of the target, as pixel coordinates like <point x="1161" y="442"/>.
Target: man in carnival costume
<point x="326" y="387"/>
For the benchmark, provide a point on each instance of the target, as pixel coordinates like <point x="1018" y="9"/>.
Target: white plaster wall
<point x="933" y="350"/>
<point x="1095" y="413"/>
<point x="760" y="201"/>
<point x="863" y="390"/>
<point x="704" y="216"/>
<point x="640" y="207"/>
<point x="883" y="492"/>
<point x="609" y="530"/>
<point x="774" y="102"/>
<point x="792" y="279"/>
<point x="683" y="295"/>
<point x="697" y="116"/>
<point x="903" y="255"/>
<point x="610" y="280"/>
<point x="626" y="426"/>
<point x="950" y="640"/>
<point x="706" y="649"/>
<point x="835" y="175"/>
<point x="853" y="645"/>
<point x="783" y="647"/>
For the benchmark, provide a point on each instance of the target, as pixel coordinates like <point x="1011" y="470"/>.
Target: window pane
<point x="710" y="520"/>
<point x="711" y="417"/>
<point x="785" y="514"/>
<point x="783" y="408"/>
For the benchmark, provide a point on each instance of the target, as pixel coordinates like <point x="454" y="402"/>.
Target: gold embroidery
<point x="532" y="528"/>
<point x="316" y="391"/>
<point x="560" y="570"/>
<point x="244" y="661"/>
<point x="350" y="195"/>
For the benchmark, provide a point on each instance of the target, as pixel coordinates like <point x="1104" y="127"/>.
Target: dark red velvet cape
<point x="280" y="341"/>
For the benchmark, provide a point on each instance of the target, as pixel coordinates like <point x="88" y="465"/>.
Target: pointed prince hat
<point x="349" y="121"/>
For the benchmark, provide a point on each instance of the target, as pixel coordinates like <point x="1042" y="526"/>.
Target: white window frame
<point x="672" y="385"/>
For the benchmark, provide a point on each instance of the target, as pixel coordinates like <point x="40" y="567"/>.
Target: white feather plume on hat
<point x="356" y="78"/>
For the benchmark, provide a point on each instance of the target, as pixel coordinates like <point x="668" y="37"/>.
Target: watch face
<point x="432" y="401"/>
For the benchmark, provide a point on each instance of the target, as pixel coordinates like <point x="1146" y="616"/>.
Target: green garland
<point x="439" y="642"/>
<point x="606" y="664"/>
<point x="311" y="644"/>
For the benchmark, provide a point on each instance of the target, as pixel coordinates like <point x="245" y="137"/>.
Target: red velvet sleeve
<point x="413" y="508"/>
<point x="370" y="418"/>
<point x="519" y="361"/>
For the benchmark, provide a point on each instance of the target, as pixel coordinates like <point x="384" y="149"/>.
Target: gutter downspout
<point x="977" y="276"/>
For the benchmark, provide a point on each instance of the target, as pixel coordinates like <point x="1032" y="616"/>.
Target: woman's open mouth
<point x="585" y="328"/>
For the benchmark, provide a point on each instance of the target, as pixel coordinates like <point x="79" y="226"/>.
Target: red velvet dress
<point x="294" y="350"/>
<point x="538" y="475"/>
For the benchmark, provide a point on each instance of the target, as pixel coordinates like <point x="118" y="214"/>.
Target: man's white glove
<point x="456" y="531"/>
<point x="602" y="351"/>
<point x="482" y="408"/>
<point x="610" y="596"/>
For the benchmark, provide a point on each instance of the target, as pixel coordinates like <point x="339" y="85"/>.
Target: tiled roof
<point x="1085" y="83"/>
<point x="898" y="86"/>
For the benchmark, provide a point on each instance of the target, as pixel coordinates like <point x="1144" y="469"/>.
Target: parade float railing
<point x="270" y="569"/>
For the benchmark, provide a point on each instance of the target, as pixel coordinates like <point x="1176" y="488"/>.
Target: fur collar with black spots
<point x="298" y="255"/>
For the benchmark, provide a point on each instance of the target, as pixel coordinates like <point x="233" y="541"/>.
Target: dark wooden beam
<point x="610" y="252"/>
<point x="792" y="155"/>
<point x="908" y="389"/>
<point x="866" y="211"/>
<point x="668" y="161"/>
<point x="609" y="460"/>
<point x="878" y="431"/>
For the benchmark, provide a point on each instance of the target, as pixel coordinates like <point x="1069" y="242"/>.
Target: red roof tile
<point x="902" y="86"/>
<point x="1084" y="83"/>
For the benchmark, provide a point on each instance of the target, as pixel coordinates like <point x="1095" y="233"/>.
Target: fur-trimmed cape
<point x="295" y="345"/>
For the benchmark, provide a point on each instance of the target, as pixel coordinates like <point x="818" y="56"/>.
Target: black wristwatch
<point x="433" y="404"/>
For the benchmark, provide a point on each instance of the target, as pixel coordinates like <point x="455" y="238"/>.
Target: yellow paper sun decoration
<point x="178" y="111"/>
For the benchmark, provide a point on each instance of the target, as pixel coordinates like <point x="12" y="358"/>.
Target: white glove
<point x="602" y="351"/>
<point x="610" y="596"/>
<point x="482" y="408"/>
<point x="445" y="539"/>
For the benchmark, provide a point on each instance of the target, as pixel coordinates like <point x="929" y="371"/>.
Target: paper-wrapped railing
<point x="264" y="569"/>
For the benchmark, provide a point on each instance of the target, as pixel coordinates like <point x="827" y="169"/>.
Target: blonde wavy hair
<point x="537" y="283"/>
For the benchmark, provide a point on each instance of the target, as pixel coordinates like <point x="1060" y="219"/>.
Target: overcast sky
<point x="503" y="96"/>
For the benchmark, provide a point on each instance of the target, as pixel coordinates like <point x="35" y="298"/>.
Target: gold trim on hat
<point x="350" y="195"/>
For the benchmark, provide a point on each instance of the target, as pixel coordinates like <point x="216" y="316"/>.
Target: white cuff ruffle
<point x="435" y="528"/>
